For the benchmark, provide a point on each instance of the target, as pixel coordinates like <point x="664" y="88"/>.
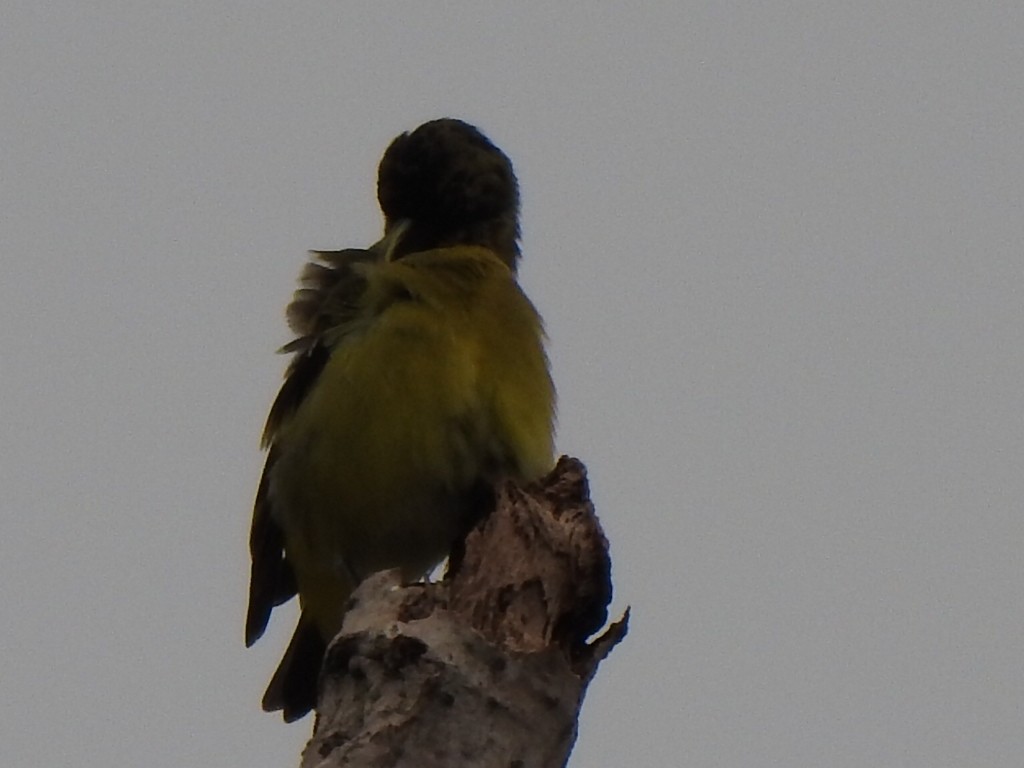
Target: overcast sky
<point x="778" y="247"/>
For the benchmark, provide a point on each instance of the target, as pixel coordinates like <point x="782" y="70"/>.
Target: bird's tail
<point x="293" y="688"/>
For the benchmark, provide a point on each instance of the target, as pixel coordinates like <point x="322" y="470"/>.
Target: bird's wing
<point x="327" y="298"/>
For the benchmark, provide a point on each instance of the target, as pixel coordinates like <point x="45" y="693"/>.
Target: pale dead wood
<point x="488" y="667"/>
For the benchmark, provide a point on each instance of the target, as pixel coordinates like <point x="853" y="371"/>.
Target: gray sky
<point x="778" y="248"/>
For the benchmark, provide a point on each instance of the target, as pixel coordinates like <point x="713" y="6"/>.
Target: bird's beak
<point x="392" y="237"/>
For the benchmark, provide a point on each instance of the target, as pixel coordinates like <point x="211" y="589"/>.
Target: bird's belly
<point x="377" y="468"/>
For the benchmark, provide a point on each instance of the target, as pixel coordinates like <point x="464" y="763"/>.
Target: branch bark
<point x="488" y="667"/>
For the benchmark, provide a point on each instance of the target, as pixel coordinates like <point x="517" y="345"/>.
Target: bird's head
<point x="446" y="184"/>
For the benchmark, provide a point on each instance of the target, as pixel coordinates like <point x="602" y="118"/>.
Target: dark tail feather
<point x="293" y="688"/>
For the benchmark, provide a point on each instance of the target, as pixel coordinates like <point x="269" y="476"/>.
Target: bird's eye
<point x="401" y="293"/>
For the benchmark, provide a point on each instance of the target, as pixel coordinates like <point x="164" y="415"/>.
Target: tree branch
<point x="488" y="667"/>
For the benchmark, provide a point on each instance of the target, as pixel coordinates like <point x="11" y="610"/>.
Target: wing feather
<point x="327" y="297"/>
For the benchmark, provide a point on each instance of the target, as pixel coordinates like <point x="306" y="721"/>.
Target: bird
<point x="419" y="379"/>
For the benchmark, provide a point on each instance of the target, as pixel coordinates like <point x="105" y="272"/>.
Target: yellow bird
<point x="419" y="379"/>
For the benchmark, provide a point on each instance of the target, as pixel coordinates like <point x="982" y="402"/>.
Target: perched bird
<point x="419" y="379"/>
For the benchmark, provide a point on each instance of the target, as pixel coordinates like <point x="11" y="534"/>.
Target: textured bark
<point x="488" y="667"/>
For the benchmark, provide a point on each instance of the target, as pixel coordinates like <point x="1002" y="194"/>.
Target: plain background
<point x="778" y="248"/>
